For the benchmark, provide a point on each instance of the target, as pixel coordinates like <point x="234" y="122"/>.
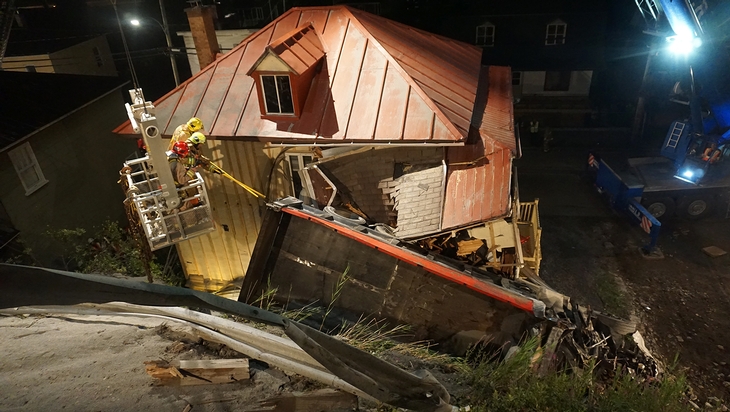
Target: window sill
<point x="280" y="117"/>
<point x="33" y="189"/>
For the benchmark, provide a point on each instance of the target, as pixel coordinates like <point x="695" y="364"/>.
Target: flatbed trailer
<point x="664" y="195"/>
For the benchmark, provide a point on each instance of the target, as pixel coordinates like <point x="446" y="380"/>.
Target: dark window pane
<point x="557" y="81"/>
<point x="272" y="101"/>
<point x="285" y="99"/>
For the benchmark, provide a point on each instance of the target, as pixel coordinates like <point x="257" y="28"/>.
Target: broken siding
<point x="370" y="177"/>
<point x="218" y="260"/>
<point x="418" y="197"/>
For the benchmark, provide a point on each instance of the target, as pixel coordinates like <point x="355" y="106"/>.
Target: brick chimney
<point x="202" y="27"/>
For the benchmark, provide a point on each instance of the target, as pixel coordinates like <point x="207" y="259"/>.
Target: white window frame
<point x="518" y="76"/>
<point x="23" y="159"/>
<point x="278" y="98"/>
<point x="553" y="35"/>
<point x="300" y="160"/>
<point x="483" y="38"/>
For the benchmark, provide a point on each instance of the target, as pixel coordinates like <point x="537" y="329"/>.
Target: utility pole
<point x="166" y="29"/>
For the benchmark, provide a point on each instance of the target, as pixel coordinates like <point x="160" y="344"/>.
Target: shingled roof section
<point x="381" y="82"/>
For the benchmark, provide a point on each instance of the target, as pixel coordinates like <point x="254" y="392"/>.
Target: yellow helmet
<point x="195" y="124"/>
<point x="196" y="138"/>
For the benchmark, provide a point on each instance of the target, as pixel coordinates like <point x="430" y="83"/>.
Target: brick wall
<point x="370" y="178"/>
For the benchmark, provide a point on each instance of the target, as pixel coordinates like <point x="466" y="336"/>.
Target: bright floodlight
<point x="683" y="44"/>
<point x="688" y="174"/>
<point x="134" y="22"/>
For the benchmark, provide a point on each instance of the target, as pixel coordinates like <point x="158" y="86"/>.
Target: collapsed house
<point x="363" y="117"/>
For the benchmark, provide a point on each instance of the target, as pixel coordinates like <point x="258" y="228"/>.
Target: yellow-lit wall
<point x="217" y="262"/>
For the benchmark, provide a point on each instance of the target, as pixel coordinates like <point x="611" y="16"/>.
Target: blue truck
<point x="691" y="177"/>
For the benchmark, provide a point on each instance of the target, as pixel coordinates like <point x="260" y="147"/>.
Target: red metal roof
<point x="479" y="174"/>
<point x="300" y="49"/>
<point x="382" y="82"/>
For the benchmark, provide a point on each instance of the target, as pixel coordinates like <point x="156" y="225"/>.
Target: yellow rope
<point x="249" y="189"/>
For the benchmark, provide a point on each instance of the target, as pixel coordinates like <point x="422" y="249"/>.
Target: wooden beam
<point x="198" y="372"/>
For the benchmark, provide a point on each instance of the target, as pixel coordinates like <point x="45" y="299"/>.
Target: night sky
<point x="147" y="43"/>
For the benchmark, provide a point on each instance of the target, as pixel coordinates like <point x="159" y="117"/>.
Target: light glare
<point x="134" y="22"/>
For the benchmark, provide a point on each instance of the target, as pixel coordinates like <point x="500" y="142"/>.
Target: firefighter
<point x="711" y="153"/>
<point x="185" y="131"/>
<point x="179" y="159"/>
<point x="195" y="142"/>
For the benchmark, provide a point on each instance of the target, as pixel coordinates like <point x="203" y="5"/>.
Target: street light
<point x="166" y="30"/>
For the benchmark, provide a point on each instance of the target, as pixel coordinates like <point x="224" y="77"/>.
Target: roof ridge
<point x="411" y="82"/>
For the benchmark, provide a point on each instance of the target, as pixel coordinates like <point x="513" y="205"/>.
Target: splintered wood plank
<point x="467" y="247"/>
<point x="198" y="372"/>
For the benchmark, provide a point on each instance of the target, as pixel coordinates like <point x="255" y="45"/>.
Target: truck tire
<point x="694" y="208"/>
<point x="660" y="207"/>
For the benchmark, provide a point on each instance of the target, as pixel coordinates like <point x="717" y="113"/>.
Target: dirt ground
<point x="96" y="363"/>
<point x="591" y="253"/>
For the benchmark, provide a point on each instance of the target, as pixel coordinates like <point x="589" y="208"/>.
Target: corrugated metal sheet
<point x="382" y="82"/>
<point x="218" y="261"/>
<point x="479" y="174"/>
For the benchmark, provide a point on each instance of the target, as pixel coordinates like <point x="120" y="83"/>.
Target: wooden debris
<point x="714" y="251"/>
<point x="198" y="372"/>
<point x="323" y="400"/>
<point x="467" y="247"/>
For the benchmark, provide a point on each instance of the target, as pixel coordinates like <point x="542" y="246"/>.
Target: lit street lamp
<point x="166" y="30"/>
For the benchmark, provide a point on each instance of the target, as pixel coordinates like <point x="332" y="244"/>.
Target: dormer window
<point x="284" y="73"/>
<point x="277" y="94"/>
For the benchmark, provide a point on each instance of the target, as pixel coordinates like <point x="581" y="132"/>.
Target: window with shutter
<point x="27" y="167"/>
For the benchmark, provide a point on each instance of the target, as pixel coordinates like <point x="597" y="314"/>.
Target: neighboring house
<point x="554" y="50"/>
<point x="347" y="109"/>
<point x="227" y="40"/>
<point x="30" y="51"/>
<point x="59" y="160"/>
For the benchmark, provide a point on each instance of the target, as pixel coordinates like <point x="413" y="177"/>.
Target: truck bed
<point x="657" y="175"/>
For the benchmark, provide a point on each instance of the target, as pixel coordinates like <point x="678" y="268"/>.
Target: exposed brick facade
<point x="412" y="200"/>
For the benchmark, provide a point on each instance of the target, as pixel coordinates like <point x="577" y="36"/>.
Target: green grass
<point x="613" y="297"/>
<point x="513" y="385"/>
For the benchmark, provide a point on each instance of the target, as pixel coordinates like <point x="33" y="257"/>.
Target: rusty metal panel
<point x="241" y="88"/>
<point x="346" y="78"/>
<point x="215" y="94"/>
<point x="419" y="119"/>
<point x="368" y="95"/>
<point x="286" y="22"/>
<point x="393" y="103"/>
<point x="163" y="112"/>
<point x="188" y="105"/>
<point x="498" y="120"/>
<point x="470" y="198"/>
<point x="317" y="17"/>
<point x="319" y="98"/>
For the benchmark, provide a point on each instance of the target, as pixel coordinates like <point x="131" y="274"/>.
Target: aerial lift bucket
<point x="163" y="226"/>
<point x="168" y="214"/>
